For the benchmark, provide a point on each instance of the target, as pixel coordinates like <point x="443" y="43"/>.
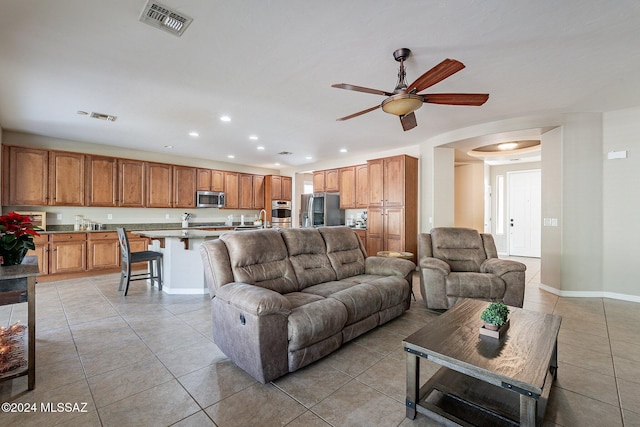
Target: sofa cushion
<point x="328" y="288"/>
<point x="344" y="251"/>
<point x="308" y="256"/>
<point x="297" y="299"/>
<point x="393" y="291"/>
<point x="314" y="322"/>
<point x="475" y="285"/>
<point x="361" y="301"/>
<point x="259" y="257"/>
<point x="461" y="248"/>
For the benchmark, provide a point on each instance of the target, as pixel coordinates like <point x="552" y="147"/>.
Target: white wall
<point x="469" y="196"/>
<point x="621" y="202"/>
<point x="551" y="245"/>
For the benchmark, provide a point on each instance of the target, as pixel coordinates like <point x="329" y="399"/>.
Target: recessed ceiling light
<point x="231" y="156"/>
<point x="194" y="133"/>
<point x="253" y="137"/>
<point x="507" y="145"/>
<point x="343" y="150"/>
<point x="260" y="147"/>
<point x="308" y="157"/>
<point x="168" y="146"/>
<point x="277" y="164"/>
<point x="225" y="118"/>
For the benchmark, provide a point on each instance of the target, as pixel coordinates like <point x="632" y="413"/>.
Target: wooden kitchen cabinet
<point x="354" y="185"/>
<point x="347" y="187"/>
<point x="362" y="186"/>
<point x="258" y="191"/>
<point x="101" y="186"/>
<point x="66" y="178"/>
<point x="231" y="190"/>
<point x="326" y="181"/>
<point x="68" y="253"/>
<point x="210" y="180"/>
<point x="184" y="187"/>
<point x="159" y="185"/>
<point x="42" y="252"/>
<point x="392" y="220"/>
<point x="25" y="174"/>
<point x="103" y="250"/>
<point x="132" y="181"/>
<point x="279" y="187"/>
<point x="251" y="191"/>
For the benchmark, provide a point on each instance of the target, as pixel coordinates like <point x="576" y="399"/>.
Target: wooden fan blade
<point x="475" y="99"/>
<point x="361" y="89"/>
<point x="438" y="73"/>
<point x="359" y="113"/>
<point x="408" y="121"/>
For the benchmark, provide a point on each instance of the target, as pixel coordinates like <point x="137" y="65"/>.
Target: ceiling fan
<point x="405" y="99"/>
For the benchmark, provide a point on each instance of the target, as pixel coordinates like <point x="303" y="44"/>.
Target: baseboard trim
<point x="590" y="294"/>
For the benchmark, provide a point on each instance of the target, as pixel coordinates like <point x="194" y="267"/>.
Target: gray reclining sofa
<point x="282" y="299"/>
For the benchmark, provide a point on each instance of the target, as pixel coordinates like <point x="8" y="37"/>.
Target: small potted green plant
<point x="495" y="315"/>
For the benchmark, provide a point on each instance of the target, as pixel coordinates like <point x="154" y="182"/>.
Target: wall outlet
<point x="167" y="216"/>
<point x="109" y="216"/>
<point x="58" y="216"/>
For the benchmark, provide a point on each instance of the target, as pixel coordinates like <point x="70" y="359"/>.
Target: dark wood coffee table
<point x="483" y="381"/>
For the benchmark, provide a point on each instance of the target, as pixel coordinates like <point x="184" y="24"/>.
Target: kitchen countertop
<point x="180" y="234"/>
<point x="68" y="228"/>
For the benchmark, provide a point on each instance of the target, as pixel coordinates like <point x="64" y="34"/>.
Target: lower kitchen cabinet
<point x="42" y="252"/>
<point x="104" y="250"/>
<point x="68" y="253"/>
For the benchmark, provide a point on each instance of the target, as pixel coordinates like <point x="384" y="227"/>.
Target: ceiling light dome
<point x="402" y="104"/>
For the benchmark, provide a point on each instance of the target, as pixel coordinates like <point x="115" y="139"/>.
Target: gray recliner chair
<point x="457" y="263"/>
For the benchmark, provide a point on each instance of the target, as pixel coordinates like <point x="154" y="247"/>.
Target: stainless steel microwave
<point x="210" y="199"/>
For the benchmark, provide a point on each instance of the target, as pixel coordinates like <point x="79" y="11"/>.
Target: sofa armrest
<point x="435" y="264"/>
<point x="386" y="266"/>
<point x="254" y="299"/>
<point x="500" y="267"/>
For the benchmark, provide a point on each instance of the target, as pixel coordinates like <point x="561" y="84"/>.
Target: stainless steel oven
<point x="281" y="213"/>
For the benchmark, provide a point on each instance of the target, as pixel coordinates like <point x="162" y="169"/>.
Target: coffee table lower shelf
<point x="455" y="399"/>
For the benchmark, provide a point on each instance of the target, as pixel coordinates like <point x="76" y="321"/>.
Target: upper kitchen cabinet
<point x="132" y="186"/>
<point x="326" y="181"/>
<point x="354" y="184"/>
<point x="159" y="185"/>
<point x="184" y="187"/>
<point x="101" y="187"/>
<point x="231" y="190"/>
<point x="251" y="191"/>
<point x="389" y="178"/>
<point x="25" y="173"/>
<point x="210" y="180"/>
<point x="66" y="178"/>
<point x="279" y="187"/>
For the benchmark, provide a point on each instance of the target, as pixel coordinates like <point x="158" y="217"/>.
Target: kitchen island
<point x="182" y="271"/>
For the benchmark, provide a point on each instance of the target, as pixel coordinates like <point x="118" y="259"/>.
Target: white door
<point x="524" y="188"/>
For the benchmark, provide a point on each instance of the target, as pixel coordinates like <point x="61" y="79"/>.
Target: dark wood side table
<point x="17" y="285"/>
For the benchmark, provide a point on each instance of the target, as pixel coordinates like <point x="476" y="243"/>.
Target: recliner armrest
<point x="253" y="299"/>
<point x="386" y="266"/>
<point x="500" y="267"/>
<point x="435" y="264"/>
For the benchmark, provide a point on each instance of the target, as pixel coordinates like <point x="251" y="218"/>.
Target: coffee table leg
<point x="528" y="411"/>
<point x="413" y="376"/>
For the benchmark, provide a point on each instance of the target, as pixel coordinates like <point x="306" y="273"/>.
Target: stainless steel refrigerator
<point x="321" y="209"/>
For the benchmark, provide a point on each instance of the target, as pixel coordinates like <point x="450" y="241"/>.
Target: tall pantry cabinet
<point x="392" y="223"/>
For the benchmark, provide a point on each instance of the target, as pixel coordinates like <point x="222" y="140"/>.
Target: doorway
<point x="525" y="229"/>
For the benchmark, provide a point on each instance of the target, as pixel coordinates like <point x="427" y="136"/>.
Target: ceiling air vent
<point x="162" y="17"/>
<point x="107" y="117"/>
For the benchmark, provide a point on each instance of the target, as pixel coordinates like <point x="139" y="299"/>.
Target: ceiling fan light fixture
<point x="402" y="104"/>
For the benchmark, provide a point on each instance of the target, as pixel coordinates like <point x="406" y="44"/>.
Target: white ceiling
<point x="270" y="64"/>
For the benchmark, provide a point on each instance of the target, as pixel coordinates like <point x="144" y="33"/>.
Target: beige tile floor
<point x="148" y="360"/>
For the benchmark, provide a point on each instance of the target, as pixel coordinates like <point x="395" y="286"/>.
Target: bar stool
<point x="129" y="258"/>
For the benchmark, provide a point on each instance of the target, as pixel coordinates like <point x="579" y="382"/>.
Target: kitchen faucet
<point x="264" y="221"/>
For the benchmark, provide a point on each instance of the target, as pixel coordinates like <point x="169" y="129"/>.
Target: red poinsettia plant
<point x="16" y="237"/>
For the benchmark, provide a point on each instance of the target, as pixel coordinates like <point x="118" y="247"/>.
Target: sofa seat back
<point x="344" y="251"/>
<point x="461" y="248"/>
<point x="260" y="258"/>
<point x="308" y="255"/>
